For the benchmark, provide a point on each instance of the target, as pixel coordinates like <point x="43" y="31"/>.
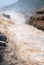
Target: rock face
<point x="25" y="44"/>
<point x="37" y="20"/>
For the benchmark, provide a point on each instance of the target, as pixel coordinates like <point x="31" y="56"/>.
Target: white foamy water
<point x="18" y="18"/>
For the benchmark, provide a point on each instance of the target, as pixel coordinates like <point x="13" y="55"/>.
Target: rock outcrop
<point x="25" y="44"/>
<point x="37" y="20"/>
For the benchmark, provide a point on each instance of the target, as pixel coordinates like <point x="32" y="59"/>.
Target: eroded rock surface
<point x="25" y="44"/>
<point x="37" y="20"/>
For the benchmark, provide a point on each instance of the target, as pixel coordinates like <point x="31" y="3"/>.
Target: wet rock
<point x="37" y="20"/>
<point x="2" y="44"/>
<point x="40" y="11"/>
<point x="6" y="15"/>
<point x="3" y="38"/>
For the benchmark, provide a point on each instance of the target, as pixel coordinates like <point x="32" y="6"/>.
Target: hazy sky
<point x="6" y="2"/>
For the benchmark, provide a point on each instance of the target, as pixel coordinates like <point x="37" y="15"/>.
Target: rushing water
<point x="25" y="7"/>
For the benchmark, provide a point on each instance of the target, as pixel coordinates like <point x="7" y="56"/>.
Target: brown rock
<point x="37" y="20"/>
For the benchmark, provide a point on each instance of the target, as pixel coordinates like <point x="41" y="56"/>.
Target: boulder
<point x="37" y="19"/>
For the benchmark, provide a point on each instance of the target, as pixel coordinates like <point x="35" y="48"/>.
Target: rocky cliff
<point x="37" y="20"/>
<point x="24" y="44"/>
